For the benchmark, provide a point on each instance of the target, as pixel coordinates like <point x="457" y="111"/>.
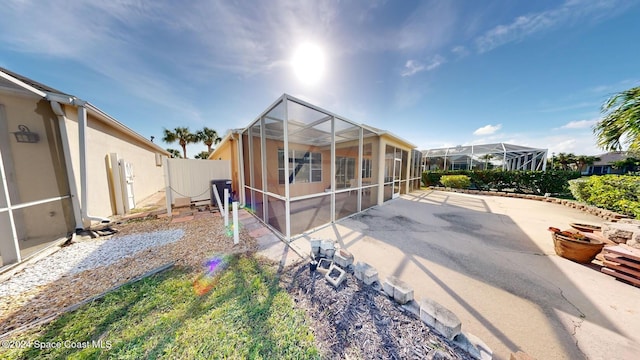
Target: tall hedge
<point x="620" y="193"/>
<point x="527" y="182"/>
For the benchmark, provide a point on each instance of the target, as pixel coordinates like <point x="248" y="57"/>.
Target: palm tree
<point x="209" y="137"/>
<point x="621" y="121"/>
<point x="486" y="158"/>
<point x="175" y="154"/>
<point x="583" y="161"/>
<point x="182" y="135"/>
<point x="202" y="155"/>
<point x="565" y="159"/>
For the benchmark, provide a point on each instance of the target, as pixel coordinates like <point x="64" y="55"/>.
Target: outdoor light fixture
<point x="26" y="136"/>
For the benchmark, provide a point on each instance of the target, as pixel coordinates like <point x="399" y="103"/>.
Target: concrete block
<point x="440" y="318"/>
<point x="343" y="258"/>
<point x="437" y="354"/>
<point x="403" y="294"/>
<point x="365" y="273"/>
<point x="335" y="276"/>
<point x="412" y="307"/>
<point x="315" y="246"/>
<point x="327" y="248"/>
<point x="474" y="346"/>
<point x="324" y="265"/>
<point x="388" y="288"/>
<point x="399" y="290"/>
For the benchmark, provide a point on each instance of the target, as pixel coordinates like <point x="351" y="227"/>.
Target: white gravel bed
<point x="85" y="255"/>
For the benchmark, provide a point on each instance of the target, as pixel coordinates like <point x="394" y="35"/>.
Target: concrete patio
<point x="491" y="261"/>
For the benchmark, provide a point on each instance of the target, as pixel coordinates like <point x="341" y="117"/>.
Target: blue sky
<point x="437" y="73"/>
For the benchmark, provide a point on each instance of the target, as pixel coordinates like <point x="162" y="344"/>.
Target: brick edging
<point x="606" y="215"/>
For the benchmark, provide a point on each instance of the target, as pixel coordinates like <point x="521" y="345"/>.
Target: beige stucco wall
<point x="35" y="171"/>
<point x="101" y="141"/>
<point x="228" y="150"/>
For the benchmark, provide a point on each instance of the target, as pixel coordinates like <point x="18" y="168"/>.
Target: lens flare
<point x="209" y="278"/>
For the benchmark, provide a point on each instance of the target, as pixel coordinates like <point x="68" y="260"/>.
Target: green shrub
<point x="431" y="178"/>
<point x="620" y="193"/>
<point x="456" y="181"/>
<point x="529" y="182"/>
<point x="578" y="189"/>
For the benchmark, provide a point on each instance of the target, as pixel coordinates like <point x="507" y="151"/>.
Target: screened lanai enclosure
<point x="503" y="156"/>
<point x="304" y="167"/>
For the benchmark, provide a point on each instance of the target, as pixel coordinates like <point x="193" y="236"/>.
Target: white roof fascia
<point x="22" y="84"/>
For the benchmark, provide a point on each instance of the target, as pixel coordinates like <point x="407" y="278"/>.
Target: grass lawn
<point x="245" y="315"/>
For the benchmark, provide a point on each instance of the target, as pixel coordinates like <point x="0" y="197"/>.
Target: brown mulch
<point x="357" y="321"/>
<point x="204" y="236"/>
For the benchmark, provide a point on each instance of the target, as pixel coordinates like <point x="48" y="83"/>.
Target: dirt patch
<point x="203" y="237"/>
<point x="356" y="321"/>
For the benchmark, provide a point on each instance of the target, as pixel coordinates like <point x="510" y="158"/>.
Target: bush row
<point x="620" y="193"/>
<point x="525" y="182"/>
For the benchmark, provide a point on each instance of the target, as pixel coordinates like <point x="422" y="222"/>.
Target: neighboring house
<point x="605" y="164"/>
<point x="49" y="160"/>
<point x="298" y="166"/>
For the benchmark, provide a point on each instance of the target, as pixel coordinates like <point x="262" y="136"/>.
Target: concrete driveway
<point x="491" y="261"/>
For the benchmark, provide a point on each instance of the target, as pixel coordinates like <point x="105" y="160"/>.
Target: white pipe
<point x="236" y="225"/>
<point x="226" y="207"/>
<point x="73" y="189"/>
<point x="84" y="185"/>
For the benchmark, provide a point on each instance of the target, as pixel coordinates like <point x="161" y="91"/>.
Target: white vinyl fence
<point x="189" y="178"/>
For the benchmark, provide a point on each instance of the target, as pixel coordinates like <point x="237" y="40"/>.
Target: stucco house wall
<point x="103" y="139"/>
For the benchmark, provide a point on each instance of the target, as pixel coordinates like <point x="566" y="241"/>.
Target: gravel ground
<point x="88" y="268"/>
<point x="356" y="321"/>
<point x="85" y="255"/>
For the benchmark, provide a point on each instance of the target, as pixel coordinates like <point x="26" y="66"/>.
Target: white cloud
<point x="569" y="13"/>
<point x="460" y="51"/>
<point x="487" y="129"/>
<point x="579" y="124"/>
<point x="413" y="67"/>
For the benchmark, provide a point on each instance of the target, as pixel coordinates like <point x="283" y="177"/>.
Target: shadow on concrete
<point x="463" y="235"/>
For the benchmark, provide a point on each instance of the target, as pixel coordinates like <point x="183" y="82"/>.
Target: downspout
<point x="55" y="101"/>
<point x="73" y="190"/>
<point x="82" y="133"/>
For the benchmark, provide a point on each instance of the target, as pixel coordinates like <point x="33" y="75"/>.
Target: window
<point x="366" y="168"/>
<point x="345" y="171"/>
<point x="307" y="166"/>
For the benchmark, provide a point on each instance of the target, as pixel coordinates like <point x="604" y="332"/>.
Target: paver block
<point x="335" y="276"/>
<point x="440" y="318"/>
<point x="343" y="258"/>
<point x="182" y="219"/>
<point x="324" y="265"/>
<point x="182" y="202"/>
<point x="474" y="346"/>
<point x="259" y="232"/>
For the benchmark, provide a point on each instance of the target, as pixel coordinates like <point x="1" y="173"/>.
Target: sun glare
<point x="309" y="63"/>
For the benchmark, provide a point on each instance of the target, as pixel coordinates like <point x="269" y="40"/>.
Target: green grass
<point x="245" y="316"/>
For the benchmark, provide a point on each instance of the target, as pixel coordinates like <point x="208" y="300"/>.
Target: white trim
<point x="21" y="84"/>
<point x="33" y="203"/>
